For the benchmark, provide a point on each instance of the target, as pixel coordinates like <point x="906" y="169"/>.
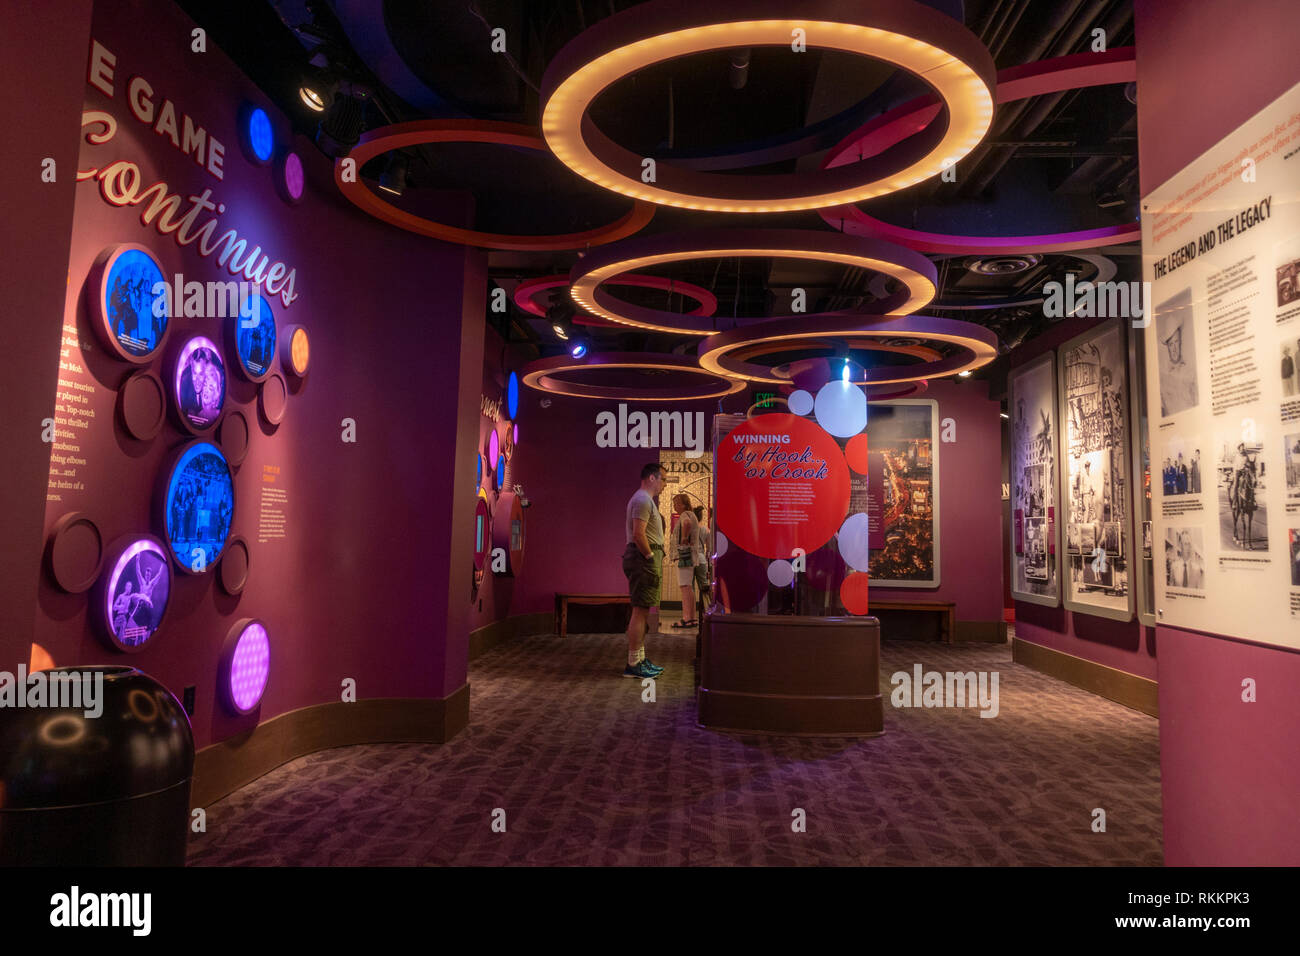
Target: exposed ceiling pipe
<point x="739" y="74"/>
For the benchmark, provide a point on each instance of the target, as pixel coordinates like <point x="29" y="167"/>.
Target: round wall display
<point x="494" y="447"/>
<point x="499" y="474"/>
<point x="76" y="552"/>
<point x="254" y="337"/>
<point x="134" y="589"/>
<point x="508" y="532"/>
<point x="478" y="473"/>
<point x="198" y="503"/>
<point x="295" y="350"/>
<point x="273" y="398"/>
<point x="232" y="572"/>
<point x="512" y="395"/>
<point x="234" y="437"/>
<point x="199" y="384"/>
<point x="142" y="405"/>
<point x="290" y="180"/>
<point x="129" y="318"/>
<point x="482" y="533"/>
<point x="256" y="138"/>
<point x="245" y="666"/>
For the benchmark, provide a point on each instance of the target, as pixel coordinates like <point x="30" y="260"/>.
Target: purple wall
<point x="358" y="587"/>
<point x="1124" y="645"/>
<point x="1228" y="770"/>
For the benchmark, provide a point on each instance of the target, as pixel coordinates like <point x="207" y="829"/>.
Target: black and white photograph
<point x="1290" y="354"/>
<point x="1036" y="549"/>
<point x="1243" y="515"/>
<point x="1185" y="558"/>
<point x="1181" y="470"/>
<point x="1033" y="480"/>
<point x="1293" y="535"/>
<point x="1175" y="347"/>
<point x="1291" y="461"/>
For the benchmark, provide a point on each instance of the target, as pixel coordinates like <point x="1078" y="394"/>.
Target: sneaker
<point x="639" y="671"/>
<point x="651" y="666"/>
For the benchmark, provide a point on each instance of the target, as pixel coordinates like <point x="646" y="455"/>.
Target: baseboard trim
<point x="981" y="632"/>
<point x="222" y="768"/>
<point x="1139" y="693"/>
<point x="489" y="636"/>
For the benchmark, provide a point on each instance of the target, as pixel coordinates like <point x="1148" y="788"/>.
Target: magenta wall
<point x="579" y="494"/>
<point x="1228" y="770"/>
<point x="1124" y="645"/>
<point x="359" y="587"/>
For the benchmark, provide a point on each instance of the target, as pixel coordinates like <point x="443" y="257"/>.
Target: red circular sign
<point x="782" y="484"/>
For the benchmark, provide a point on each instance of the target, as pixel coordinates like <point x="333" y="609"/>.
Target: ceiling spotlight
<point x="560" y="314"/>
<point x="578" y="348"/>
<point x="317" y="89"/>
<point x="393" y="178"/>
<point x="844" y="375"/>
<point x="1005" y="415"/>
<point x="340" y="128"/>
<point x="965" y="374"/>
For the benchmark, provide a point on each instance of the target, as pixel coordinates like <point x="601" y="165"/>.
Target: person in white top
<point x="686" y="543"/>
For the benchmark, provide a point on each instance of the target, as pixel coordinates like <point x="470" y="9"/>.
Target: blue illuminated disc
<point x="255" y="339"/>
<point x="478" y="477"/>
<point x="259" y="134"/>
<point x="501" y="471"/>
<point x="136" y="317"/>
<point x="200" y="505"/>
<point x="512" y="395"/>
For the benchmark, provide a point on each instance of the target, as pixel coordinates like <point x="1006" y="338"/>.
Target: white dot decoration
<point x="780" y="573"/>
<point x="719" y="544"/>
<point x="801" y="402"/>
<point x="841" y="409"/>
<point x="854" y="542"/>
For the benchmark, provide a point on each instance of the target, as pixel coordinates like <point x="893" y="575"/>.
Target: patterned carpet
<point x="588" y="774"/>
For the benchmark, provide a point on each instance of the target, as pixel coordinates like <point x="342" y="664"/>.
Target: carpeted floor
<point x="588" y="774"/>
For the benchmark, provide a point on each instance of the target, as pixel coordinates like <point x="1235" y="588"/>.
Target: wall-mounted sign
<point x="129" y="318"/>
<point x="1221" y="249"/>
<point x="255" y="339"/>
<point x="198" y="506"/>
<point x="199" y="383"/>
<point x="901" y="502"/>
<point x="136" y="586"/>
<point x="245" y="665"/>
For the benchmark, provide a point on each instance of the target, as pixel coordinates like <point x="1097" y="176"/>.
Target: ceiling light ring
<point x="528" y="291"/>
<point x="422" y="132"/>
<point x="976" y="346"/>
<point x="604" y="266"/>
<point x="540" y="374"/>
<point x="1061" y="74"/>
<point x="934" y="47"/>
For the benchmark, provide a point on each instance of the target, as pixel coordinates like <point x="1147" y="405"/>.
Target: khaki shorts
<point x="643" y="575"/>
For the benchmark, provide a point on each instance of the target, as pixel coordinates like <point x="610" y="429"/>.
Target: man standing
<point x="642" y="564"/>
<point x="1195" y="487"/>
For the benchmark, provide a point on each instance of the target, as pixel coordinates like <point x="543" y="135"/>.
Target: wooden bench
<point x="947" y="611"/>
<point x="562" y="602"/>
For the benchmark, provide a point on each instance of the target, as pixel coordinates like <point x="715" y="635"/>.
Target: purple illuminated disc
<point x="136" y="597"/>
<point x="494" y="447"/>
<point x="516" y="434"/>
<point x="293" y="176"/>
<point x="250" y="666"/>
<point x="199" y="383"/>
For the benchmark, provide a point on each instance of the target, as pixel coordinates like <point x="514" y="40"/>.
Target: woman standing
<point x="686" y="538"/>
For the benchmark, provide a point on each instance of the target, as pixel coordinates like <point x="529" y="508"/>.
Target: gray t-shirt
<point x="642" y="506"/>
<point x="688" y="531"/>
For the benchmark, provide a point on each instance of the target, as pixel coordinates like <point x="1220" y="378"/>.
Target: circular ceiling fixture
<point x="527" y="293"/>
<point x="906" y="122"/>
<point x="1104" y="270"/>
<point x="600" y="267"/>
<point x="420" y="132"/>
<point x="911" y="36"/>
<point x="976" y="346"/>
<point x="1002" y="265"/>
<point x="544" y="375"/>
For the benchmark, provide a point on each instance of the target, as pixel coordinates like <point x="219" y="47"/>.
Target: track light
<point x="965" y="374"/>
<point x="579" y="347"/>
<point x="393" y="178"/>
<point x="560" y="314"/>
<point x="317" y="89"/>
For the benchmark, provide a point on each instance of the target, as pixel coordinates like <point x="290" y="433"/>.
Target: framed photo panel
<point x="1035" y="483"/>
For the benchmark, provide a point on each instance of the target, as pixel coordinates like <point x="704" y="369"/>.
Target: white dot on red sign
<point x="801" y="402"/>
<point x="854" y="541"/>
<point x="780" y="573"/>
<point x="841" y="409"/>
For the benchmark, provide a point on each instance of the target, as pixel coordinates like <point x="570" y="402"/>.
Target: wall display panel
<point x="1221" y="251"/>
<point x="199" y="383"/>
<point x="1035" y="530"/>
<point x="900" y="498"/>
<point x="130" y="320"/>
<point x="245" y="665"/>
<point x="255" y="341"/>
<point x="198" y="506"/>
<point x="1144" y="550"/>
<point x="295" y="350"/>
<point x="134" y="591"/>
<point x="1096" y="473"/>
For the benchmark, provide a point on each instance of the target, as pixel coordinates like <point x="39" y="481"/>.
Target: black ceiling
<point x="1049" y="163"/>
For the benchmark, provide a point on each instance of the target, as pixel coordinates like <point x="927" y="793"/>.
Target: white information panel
<point x="1221" y="251"/>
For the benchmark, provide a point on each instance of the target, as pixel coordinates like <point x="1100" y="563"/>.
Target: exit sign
<point x="764" y="399"/>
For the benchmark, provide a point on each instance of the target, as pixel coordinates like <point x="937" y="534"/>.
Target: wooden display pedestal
<point x="792" y="676"/>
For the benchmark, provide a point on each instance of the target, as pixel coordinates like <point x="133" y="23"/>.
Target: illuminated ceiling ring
<point x="601" y="266"/>
<point x="421" y="132"/>
<point x="528" y="292"/>
<point x="541" y="374"/>
<point x="976" y="346"/>
<point x="897" y="126"/>
<point x="932" y="46"/>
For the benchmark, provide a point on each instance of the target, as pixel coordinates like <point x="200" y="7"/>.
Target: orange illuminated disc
<point x="300" y="351"/>
<point x="853" y="593"/>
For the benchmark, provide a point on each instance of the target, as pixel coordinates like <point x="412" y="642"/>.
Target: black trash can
<point x="108" y="789"/>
